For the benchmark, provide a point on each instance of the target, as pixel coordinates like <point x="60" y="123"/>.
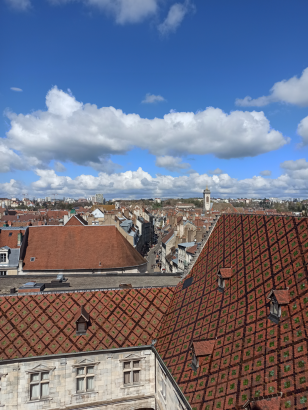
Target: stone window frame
<point x="85" y="363"/>
<point x="163" y="384"/>
<point x="39" y="370"/>
<point x="85" y="376"/>
<point x="3" y="273"/>
<point x="40" y="383"/>
<point x="132" y="358"/>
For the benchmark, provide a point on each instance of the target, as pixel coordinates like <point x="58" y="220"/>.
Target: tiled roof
<point x="192" y="250"/>
<point x="253" y="357"/>
<point x="168" y="236"/>
<point x="78" y="247"/>
<point x="76" y="220"/>
<point x="35" y="325"/>
<point x="282" y="296"/>
<point x="272" y="403"/>
<point x="226" y="273"/>
<point x="8" y="237"/>
<point x="203" y="347"/>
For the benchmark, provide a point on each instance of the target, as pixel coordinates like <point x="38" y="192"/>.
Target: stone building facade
<point x="126" y="379"/>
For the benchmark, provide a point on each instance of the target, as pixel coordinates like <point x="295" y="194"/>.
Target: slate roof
<point x="39" y="324"/>
<point x="253" y="357"/>
<point x="77" y="247"/>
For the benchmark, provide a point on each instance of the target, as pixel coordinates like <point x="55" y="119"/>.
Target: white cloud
<point x="302" y="130"/>
<point x="16" y="89"/>
<point x="216" y="171"/>
<point x="293" y="91"/>
<point x="295" y="165"/>
<point x="9" y="160"/>
<point x="175" y="16"/>
<point x="19" y="5"/>
<point x="59" y="167"/>
<point x="170" y="163"/>
<point x="141" y="184"/>
<point x="151" y="98"/>
<point x="123" y="11"/>
<point x="12" y="188"/>
<point x="86" y="135"/>
<point x="266" y="173"/>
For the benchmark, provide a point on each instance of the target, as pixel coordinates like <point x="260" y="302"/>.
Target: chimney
<point x="199" y="235"/>
<point x="9" y="223"/>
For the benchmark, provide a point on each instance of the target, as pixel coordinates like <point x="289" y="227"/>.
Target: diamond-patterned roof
<point x="253" y="357"/>
<point x="34" y="325"/>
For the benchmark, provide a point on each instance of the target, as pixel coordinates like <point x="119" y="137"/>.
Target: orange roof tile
<point x="203" y="347"/>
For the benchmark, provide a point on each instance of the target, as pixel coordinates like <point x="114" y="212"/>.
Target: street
<point x="152" y="257"/>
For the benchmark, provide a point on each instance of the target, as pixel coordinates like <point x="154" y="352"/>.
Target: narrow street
<point x="152" y="257"/>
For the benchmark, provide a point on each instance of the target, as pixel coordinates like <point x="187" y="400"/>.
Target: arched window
<point x="207" y="199"/>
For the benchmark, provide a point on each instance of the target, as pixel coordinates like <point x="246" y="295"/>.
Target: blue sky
<point x="188" y="56"/>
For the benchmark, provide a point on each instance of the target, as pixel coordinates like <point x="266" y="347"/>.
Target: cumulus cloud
<point x="266" y="173"/>
<point x="9" y="160"/>
<point x="151" y="98"/>
<point x="302" y="130"/>
<point x="293" y="91"/>
<point x="175" y="16"/>
<point x="123" y="11"/>
<point x="87" y="135"/>
<point x="59" y="167"/>
<point x="16" y="89"/>
<point x="19" y="5"/>
<point x="170" y="163"/>
<point x="140" y="184"/>
<point x="297" y="169"/>
<point x="216" y="171"/>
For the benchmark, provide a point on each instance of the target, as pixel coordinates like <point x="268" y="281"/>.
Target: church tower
<point x="206" y="199"/>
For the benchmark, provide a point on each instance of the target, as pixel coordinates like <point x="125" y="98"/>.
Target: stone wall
<point x="108" y="393"/>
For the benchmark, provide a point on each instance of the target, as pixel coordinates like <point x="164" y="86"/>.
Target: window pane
<point x="45" y="389"/>
<point x="136" y="376"/>
<point x="35" y="377"/>
<point x="136" y="364"/>
<point x="45" y="376"/>
<point x="80" y="370"/>
<point x="126" y="365"/>
<point x="127" y="378"/>
<point x="90" y="369"/>
<point x="81" y="327"/>
<point x="80" y="384"/>
<point x="90" y="383"/>
<point x="34" y="391"/>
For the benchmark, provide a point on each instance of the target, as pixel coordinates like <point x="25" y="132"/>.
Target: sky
<point x="153" y="98"/>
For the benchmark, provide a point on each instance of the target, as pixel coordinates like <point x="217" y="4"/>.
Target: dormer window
<point x="199" y="350"/>
<point x="2" y="257"/>
<point x="4" y="254"/>
<point x="272" y="403"/>
<point x="223" y="274"/>
<point x="277" y="299"/>
<point x="82" y="320"/>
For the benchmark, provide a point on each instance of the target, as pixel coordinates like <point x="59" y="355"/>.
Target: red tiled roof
<point x="226" y="273"/>
<point x="10" y="240"/>
<point x="168" y="236"/>
<point x="78" y="247"/>
<point x="192" y="249"/>
<point x="252" y="357"/>
<point x="35" y="325"/>
<point x="272" y="403"/>
<point x="282" y="296"/>
<point x="203" y="347"/>
<point x="76" y="220"/>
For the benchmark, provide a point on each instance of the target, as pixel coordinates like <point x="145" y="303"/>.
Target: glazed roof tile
<point x="252" y="357"/>
<point x="34" y="325"/>
<point x="203" y="347"/>
<point x="225" y="273"/>
<point x="282" y="296"/>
